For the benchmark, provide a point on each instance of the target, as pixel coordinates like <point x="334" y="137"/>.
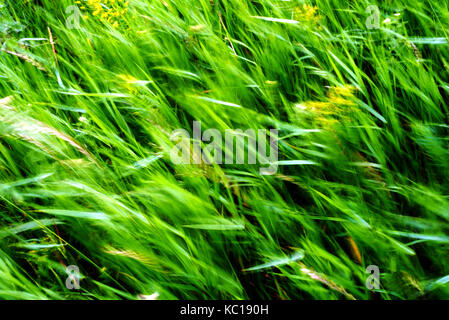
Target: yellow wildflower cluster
<point x="342" y="95"/>
<point x="129" y="82"/>
<point x="109" y="11"/>
<point x="339" y="104"/>
<point x="308" y="14"/>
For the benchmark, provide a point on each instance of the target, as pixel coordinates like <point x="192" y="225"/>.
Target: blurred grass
<point x="86" y="178"/>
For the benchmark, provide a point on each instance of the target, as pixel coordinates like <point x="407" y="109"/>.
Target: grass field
<point x="88" y="103"/>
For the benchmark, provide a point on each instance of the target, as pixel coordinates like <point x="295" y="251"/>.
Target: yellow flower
<point x="346" y="91"/>
<point x="338" y="105"/>
<point x="343" y="95"/>
<point x="129" y="82"/>
<point x="111" y="13"/>
<point x="308" y="14"/>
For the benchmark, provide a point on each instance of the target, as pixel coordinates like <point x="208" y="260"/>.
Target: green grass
<point x="86" y="177"/>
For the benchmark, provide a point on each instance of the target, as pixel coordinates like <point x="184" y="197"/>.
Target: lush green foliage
<point x="86" y="177"/>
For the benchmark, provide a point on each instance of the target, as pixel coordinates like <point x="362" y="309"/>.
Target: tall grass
<point x="85" y="171"/>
